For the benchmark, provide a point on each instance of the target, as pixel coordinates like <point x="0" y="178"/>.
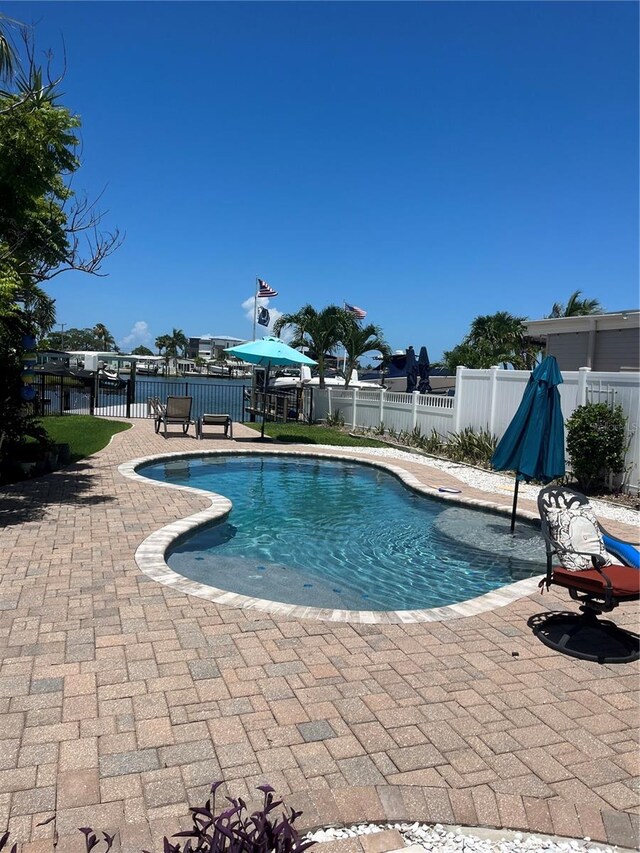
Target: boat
<point x="393" y="375"/>
<point x="303" y="379"/>
<point x="146" y="368"/>
<point x="107" y="379"/>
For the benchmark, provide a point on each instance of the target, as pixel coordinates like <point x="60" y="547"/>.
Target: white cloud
<point x="263" y="302"/>
<point x="138" y="336"/>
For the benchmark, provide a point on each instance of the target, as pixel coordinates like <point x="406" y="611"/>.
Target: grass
<point x="313" y="434"/>
<point x="84" y="434"/>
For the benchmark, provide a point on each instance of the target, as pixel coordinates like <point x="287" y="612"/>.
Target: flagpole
<point x="255" y="309"/>
<point x="253" y="367"/>
<point x="344" y="358"/>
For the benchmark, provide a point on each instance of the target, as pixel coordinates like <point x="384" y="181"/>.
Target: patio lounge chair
<point x="176" y="411"/>
<point x="574" y="537"/>
<point x="223" y="421"/>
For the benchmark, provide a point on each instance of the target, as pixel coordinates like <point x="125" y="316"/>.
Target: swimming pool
<point x="338" y="534"/>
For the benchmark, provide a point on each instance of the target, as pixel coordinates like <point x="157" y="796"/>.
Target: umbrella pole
<point x="515" y="504"/>
<point x="264" y="397"/>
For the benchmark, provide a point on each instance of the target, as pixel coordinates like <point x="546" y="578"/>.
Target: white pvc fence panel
<point x="485" y="399"/>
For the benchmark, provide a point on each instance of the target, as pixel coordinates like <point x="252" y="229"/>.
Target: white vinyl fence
<point x="485" y="399"/>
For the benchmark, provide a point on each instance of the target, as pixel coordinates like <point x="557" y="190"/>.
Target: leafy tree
<point x="45" y="228"/>
<point x="358" y="340"/>
<point x="498" y="338"/>
<point x="319" y="331"/>
<point x="73" y="339"/>
<point x="141" y="350"/>
<point x="576" y="307"/>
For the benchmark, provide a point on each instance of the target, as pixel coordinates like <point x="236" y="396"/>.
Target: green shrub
<point x="596" y="443"/>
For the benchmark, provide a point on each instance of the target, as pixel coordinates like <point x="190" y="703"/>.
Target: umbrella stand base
<point x="587" y="638"/>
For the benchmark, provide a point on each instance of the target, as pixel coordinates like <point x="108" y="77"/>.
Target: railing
<point x="67" y="395"/>
<point x="486" y="399"/>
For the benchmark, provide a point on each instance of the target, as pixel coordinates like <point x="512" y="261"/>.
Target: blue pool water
<point x="334" y="534"/>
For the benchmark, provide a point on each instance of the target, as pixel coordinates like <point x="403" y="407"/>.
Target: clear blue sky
<point x="428" y="162"/>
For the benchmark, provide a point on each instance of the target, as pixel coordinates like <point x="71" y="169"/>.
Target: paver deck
<point x="121" y="699"/>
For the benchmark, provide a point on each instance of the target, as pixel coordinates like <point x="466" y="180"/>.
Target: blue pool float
<point x="628" y="554"/>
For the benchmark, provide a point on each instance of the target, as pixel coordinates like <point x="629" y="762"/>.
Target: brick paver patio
<point x="121" y="699"/>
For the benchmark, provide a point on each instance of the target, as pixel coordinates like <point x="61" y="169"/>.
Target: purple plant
<point x="231" y="831"/>
<point x="235" y="831"/>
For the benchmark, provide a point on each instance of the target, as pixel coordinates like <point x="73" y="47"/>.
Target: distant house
<point x="211" y="348"/>
<point x="604" y="342"/>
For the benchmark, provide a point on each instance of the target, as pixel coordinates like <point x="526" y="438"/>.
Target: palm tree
<point x="104" y="336"/>
<point x="576" y="307"/>
<point x="494" y="339"/>
<point x="176" y="344"/>
<point x="358" y="340"/>
<point x="8" y="58"/>
<point x="162" y="342"/>
<point x="319" y="331"/>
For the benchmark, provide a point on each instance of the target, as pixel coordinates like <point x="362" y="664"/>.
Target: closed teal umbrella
<point x="533" y="445"/>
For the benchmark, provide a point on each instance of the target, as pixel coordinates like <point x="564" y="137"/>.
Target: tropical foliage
<point x="141" y="350"/>
<point x="172" y="346"/>
<point x="318" y="331"/>
<point x="358" y="340"/>
<point x="104" y="336"/>
<point x="494" y="339"/>
<point x="321" y="332"/>
<point x="576" y="307"/>
<point x="45" y="228"/>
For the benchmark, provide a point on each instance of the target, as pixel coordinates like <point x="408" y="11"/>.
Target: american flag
<point x="265" y="290"/>
<point x="358" y="313"/>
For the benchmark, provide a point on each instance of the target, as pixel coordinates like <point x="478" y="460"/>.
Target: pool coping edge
<point x="150" y="554"/>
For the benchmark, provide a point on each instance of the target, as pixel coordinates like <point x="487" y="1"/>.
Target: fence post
<point x="414" y="409"/>
<point x="457" y="409"/>
<point x="355" y="398"/>
<point x="382" y="390"/>
<point x="493" y="387"/>
<point x="582" y="385"/>
<point x="329" y="413"/>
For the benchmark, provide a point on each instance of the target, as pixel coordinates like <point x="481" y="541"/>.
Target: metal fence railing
<point x="129" y="398"/>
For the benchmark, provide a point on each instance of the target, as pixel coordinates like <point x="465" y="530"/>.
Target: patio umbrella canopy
<point x="267" y="352"/>
<point x="533" y="444"/>
<point x="411" y="369"/>
<point x="423" y="371"/>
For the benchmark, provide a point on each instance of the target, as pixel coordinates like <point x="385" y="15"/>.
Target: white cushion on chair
<point x="576" y="529"/>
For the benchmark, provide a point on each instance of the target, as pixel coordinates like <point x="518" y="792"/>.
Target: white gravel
<point x="488" y="481"/>
<point x="448" y="839"/>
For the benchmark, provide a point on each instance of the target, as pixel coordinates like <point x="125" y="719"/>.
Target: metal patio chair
<point x="177" y="410"/>
<point x="574" y="538"/>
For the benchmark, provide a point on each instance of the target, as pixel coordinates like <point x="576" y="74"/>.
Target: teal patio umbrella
<point x="533" y="445"/>
<point x="266" y="352"/>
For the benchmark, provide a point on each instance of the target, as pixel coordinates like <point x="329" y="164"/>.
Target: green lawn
<point x="313" y="434"/>
<point x="84" y="434"/>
